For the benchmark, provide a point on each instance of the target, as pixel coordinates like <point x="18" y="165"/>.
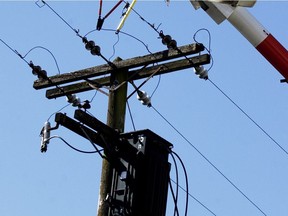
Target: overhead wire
<point x="142" y="18"/>
<point x="129" y="35"/>
<point x="249" y="117"/>
<point x="176" y="182"/>
<point x="77" y="32"/>
<point x="131" y="117"/>
<point x="207" y="160"/>
<point x="57" y="111"/>
<point x="30" y="64"/>
<point x="73" y="29"/>
<point x="193" y="197"/>
<point x="114" y="45"/>
<point x="92" y="143"/>
<point x="209" y="44"/>
<point x="84" y="39"/>
<point x="41" y="47"/>
<point x="229" y="98"/>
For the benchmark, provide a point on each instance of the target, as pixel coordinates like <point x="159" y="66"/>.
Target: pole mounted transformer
<point x="140" y="187"/>
<point x="249" y="27"/>
<point x="139" y="163"/>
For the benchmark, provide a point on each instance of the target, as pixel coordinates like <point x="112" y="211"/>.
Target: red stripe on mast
<point x="275" y="53"/>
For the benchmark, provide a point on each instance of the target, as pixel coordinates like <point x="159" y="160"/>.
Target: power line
<point x="193" y="197"/>
<point x="41" y="47"/>
<point x="203" y="156"/>
<point x="89" y="45"/>
<point x="248" y="116"/>
<point x="73" y="29"/>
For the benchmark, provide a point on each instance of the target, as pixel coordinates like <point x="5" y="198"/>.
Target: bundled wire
<point x="175" y="196"/>
<point x="186" y="181"/>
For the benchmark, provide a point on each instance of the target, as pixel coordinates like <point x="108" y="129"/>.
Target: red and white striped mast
<point x="249" y="27"/>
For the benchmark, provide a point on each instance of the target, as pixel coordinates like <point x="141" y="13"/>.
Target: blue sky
<point x="64" y="182"/>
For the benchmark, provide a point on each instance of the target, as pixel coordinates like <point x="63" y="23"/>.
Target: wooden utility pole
<point x="116" y="120"/>
<point x="121" y="72"/>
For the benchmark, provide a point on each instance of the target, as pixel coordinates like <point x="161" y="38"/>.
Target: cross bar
<point x="124" y="64"/>
<point x="136" y="74"/>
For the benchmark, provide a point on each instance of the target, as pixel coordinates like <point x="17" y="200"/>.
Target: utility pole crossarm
<point x="136" y="74"/>
<point x="79" y="129"/>
<point x="125" y="64"/>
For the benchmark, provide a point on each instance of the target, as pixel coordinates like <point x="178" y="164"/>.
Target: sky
<point x="64" y="182"/>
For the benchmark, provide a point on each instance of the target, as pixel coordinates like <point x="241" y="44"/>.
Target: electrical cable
<point x="96" y="91"/>
<point x="158" y="83"/>
<point x="151" y="25"/>
<point x="73" y="29"/>
<point x="198" y="201"/>
<point x="209" y="38"/>
<point x="114" y="45"/>
<point x="249" y="117"/>
<point x="160" y="33"/>
<point x="176" y="212"/>
<point x="87" y="136"/>
<point x="58" y="111"/>
<point x="186" y="180"/>
<point x="30" y="64"/>
<point x="14" y="51"/>
<point x="41" y="47"/>
<point x="177" y="182"/>
<point x="72" y="147"/>
<point x="145" y="81"/>
<point x="207" y="160"/>
<point x="84" y="39"/>
<point x="130" y="35"/>
<point x="209" y="44"/>
<point x="130" y="113"/>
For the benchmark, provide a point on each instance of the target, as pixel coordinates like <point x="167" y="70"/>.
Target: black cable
<point x="14" y="51"/>
<point x="176" y="211"/>
<point x="209" y="44"/>
<point x="30" y="64"/>
<point x="114" y="45"/>
<point x="58" y="111"/>
<point x="130" y="35"/>
<point x="72" y="147"/>
<point x="41" y="47"/>
<point x="158" y="83"/>
<point x="130" y="113"/>
<point x="87" y="136"/>
<point x="203" y="156"/>
<point x="198" y="201"/>
<point x="249" y="117"/>
<point x="77" y="33"/>
<point x="96" y="91"/>
<point x="177" y="180"/>
<point x="186" y="180"/>
<point x="142" y="18"/>
<point x="73" y="29"/>
<point x="209" y="38"/>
